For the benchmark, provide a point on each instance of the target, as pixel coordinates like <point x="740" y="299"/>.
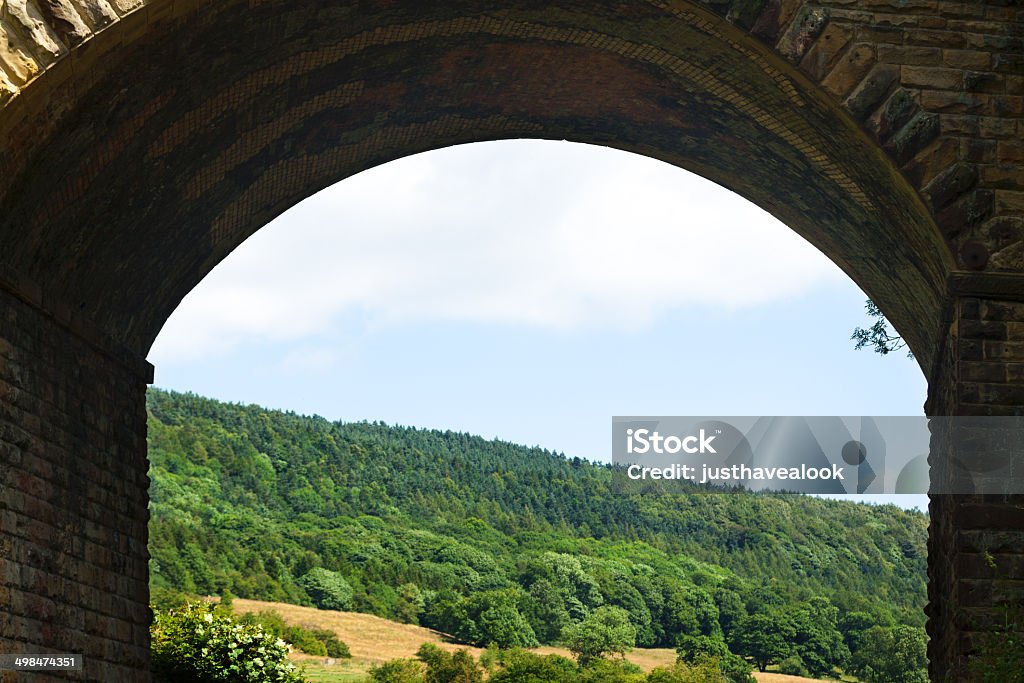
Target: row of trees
<point x="434" y="665"/>
<point x="198" y="641"/>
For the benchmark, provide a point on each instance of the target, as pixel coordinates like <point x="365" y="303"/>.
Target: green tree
<point x="730" y="609"/>
<point x="521" y="666"/>
<point x="449" y="667"/>
<point x="765" y="637"/>
<point x="327" y="589"/>
<point x="892" y="655"/>
<point x="504" y="626"/>
<point x="817" y="641"/>
<point x="447" y="613"/>
<point x="605" y="631"/>
<point x="410" y="604"/>
<point x="705" y="671"/>
<point x="853" y="625"/>
<point x="545" y="610"/>
<point x="697" y="651"/>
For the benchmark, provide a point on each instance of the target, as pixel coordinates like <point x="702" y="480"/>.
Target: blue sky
<point x="528" y="291"/>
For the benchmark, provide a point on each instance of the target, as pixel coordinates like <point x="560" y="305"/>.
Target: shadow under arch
<point x="212" y="121"/>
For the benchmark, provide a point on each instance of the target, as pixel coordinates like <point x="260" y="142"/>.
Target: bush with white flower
<point x="196" y="643"/>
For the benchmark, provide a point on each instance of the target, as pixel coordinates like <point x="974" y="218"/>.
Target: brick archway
<point x="140" y="142"/>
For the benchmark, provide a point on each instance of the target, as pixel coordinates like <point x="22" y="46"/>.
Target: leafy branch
<point x="879" y="336"/>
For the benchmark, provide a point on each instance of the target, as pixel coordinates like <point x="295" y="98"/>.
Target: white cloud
<point x="522" y="233"/>
<point x="312" y="360"/>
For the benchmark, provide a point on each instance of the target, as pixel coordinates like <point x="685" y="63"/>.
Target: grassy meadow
<point x="374" y="640"/>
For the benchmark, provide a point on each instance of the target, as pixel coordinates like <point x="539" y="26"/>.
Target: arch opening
<point x="412" y="179"/>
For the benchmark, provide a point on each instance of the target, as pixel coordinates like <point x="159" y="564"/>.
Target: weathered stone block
<point x="806" y="27"/>
<point x="976" y="371"/>
<point x="96" y="13"/>
<point x="949" y="185"/>
<point x="775" y="15"/>
<point x="824" y="52"/>
<point x="898" y="110"/>
<point x="966" y="212"/>
<point x="967" y="59"/>
<point x="65" y="21"/>
<point x="1009" y="201"/>
<point x="935" y="159"/>
<point x="912" y="54"/>
<point x="951" y="101"/>
<point x="871" y="91"/>
<point x="914" y="136"/>
<point x="983" y="81"/>
<point x="31" y="25"/>
<point x="15" y="58"/>
<point x="1010" y="351"/>
<point x="1008" y="62"/>
<point x="850" y="70"/>
<point x="939" y="78"/>
<point x="126" y="6"/>
<point x="7" y="88"/>
<point x="1003" y="176"/>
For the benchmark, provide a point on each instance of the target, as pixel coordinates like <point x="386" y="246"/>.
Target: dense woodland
<point x="497" y="543"/>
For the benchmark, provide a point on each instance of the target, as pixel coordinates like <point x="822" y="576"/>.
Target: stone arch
<point x="140" y="142"/>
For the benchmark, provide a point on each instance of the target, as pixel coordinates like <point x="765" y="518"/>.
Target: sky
<point x="529" y="291"/>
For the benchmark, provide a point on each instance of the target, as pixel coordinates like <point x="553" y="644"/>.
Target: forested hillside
<point x="494" y="542"/>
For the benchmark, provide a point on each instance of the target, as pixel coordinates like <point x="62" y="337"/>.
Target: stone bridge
<point x="142" y="141"/>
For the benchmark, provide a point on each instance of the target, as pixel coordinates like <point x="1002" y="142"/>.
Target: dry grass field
<point x="373" y="640"/>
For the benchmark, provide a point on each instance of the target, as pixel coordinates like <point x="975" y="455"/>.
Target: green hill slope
<point x="492" y="541"/>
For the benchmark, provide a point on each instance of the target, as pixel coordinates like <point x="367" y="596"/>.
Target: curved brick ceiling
<point x="160" y="136"/>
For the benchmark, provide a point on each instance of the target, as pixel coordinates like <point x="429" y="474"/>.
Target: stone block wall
<point x="976" y="543"/>
<point x="73" y="495"/>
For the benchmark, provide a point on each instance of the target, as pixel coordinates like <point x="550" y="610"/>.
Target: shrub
<point x="522" y="666"/>
<point x="397" y="671"/>
<point x="609" y="671"/>
<point x="165" y="599"/>
<point x="706" y="671"/>
<point x="335" y="648"/>
<point x="449" y="667"/>
<point x="270" y="620"/>
<point x="736" y="669"/>
<point x="305" y="641"/>
<point x="196" y="644"/>
<point x="320" y="642"/>
<point x="793" y="666"/>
